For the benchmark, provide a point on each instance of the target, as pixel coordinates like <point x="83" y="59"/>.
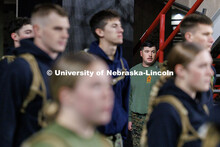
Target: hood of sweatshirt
<point x="169" y="88"/>
<point x="28" y="46"/>
<point x="95" y="49"/>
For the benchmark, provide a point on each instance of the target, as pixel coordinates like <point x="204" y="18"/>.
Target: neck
<point x="183" y="86"/>
<point x="74" y="122"/>
<point x="16" y="44"/>
<point x="145" y="65"/>
<point x="40" y="45"/>
<point x="108" y="48"/>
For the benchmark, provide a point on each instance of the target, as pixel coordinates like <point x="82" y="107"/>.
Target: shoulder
<point x="136" y="66"/>
<point x="104" y="141"/>
<point x="124" y="62"/>
<point x="166" y="112"/>
<point x="45" y="139"/>
<point x="19" y="64"/>
<point x="19" y="70"/>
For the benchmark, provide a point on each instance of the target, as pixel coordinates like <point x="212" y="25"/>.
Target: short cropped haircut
<point x="99" y="20"/>
<point x="191" y="21"/>
<point x="183" y="53"/>
<point x="43" y="10"/>
<point x="147" y="44"/>
<point x="17" y="24"/>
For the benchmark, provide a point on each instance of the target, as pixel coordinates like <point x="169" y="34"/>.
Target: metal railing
<point x="161" y="18"/>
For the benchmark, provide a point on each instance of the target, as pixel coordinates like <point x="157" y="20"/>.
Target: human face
<point x="198" y="73"/>
<point x="53" y="34"/>
<point x="203" y="36"/>
<point x="94" y="96"/>
<point x="113" y="32"/>
<point x="26" y="31"/>
<point x="148" y="55"/>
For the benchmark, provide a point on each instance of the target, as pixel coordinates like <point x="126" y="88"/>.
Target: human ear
<point x="65" y="95"/>
<point x="188" y="36"/>
<point x="36" y="30"/>
<point x="141" y="53"/>
<point x="15" y="36"/>
<point x="99" y="32"/>
<point x="179" y="70"/>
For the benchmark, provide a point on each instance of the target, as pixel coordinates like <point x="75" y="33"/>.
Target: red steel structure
<point x="161" y="18"/>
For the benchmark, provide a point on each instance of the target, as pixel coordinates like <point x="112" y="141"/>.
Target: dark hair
<point x="43" y="10"/>
<point x="16" y="24"/>
<point x="183" y="53"/>
<point x="147" y="44"/>
<point x="191" y="21"/>
<point x="99" y="20"/>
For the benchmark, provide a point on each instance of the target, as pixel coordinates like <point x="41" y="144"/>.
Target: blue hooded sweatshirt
<point x="15" y="126"/>
<point x="119" y="121"/>
<point x="164" y="126"/>
<point x="4" y="63"/>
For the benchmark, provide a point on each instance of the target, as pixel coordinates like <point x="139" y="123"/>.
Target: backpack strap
<point x="212" y="138"/>
<point x="205" y="107"/>
<point x="37" y="86"/>
<point x="188" y="132"/>
<point x="115" y="80"/>
<point x="10" y="58"/>
<point x="47" y="138"/>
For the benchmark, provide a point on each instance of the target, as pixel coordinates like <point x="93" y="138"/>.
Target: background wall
<point x="145" y="12"/>
<point x="212" y="6"/>
<point x="81" y="11"/>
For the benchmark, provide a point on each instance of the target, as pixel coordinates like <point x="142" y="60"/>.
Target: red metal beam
<point x="153" y="25"/>
<point x="162" y="37"/>
<point x="156" y="21"/>
<point x="176" y="30"/>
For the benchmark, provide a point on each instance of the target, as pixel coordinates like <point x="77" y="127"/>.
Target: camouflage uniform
<point x="138" y="121"/>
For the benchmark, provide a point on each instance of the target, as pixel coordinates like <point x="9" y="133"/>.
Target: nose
<point x="121" y="30"/>
<point x="210" y="71"/>
<point x="65" y="33"/>
<point x="211" y="39"/>
<point x="108" y="93"/>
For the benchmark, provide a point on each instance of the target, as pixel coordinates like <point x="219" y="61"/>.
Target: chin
<point x="103" y="121"/>
<point x="60" y="49"/>
<point x="120" y="42"/>
<point x="204" y="89"/>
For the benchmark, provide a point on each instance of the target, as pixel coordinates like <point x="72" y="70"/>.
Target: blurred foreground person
<point x="177" y="108"/>
<point x="24" y="85"/>
<point x="198" y="28"/>
<point x="80" y="103"/>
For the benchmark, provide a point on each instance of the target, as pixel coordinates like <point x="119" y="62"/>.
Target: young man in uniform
<point x="106" y="26"/>
<point x="22" y="99"/>
<point x="19" y="29"/>
<point x="140" y="90"/>
<point x="198" y="28"/>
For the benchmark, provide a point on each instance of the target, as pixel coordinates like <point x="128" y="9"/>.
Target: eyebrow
<point x="28" y="30"/>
